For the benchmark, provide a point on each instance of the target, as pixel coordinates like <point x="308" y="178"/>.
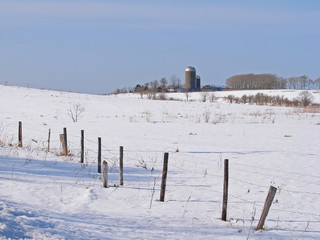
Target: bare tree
<point x="302" y="81"/>
<point x="154" y="84"/>
<point x="139" y="89"/>
<point x="282" y="83"/>
<point x="293" y="82"/>
<point x="75" y="112"/>
<point x="311" y="84"/>
<point x="163" y="83"/>
<point x="173" y="81"/>
<point x="317" y="83"/>
<point x="124" y="90"/>
<point x="146" y="86"/>
<point x="179" y="83"/>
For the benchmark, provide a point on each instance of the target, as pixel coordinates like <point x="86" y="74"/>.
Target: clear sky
<point x="97" y="46"/>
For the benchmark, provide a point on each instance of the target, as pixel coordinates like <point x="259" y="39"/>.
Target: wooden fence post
<point x="164" y="177"/>
<point x="105" y="174"/>
<point x="20" y="135"/>
<point x="65" y="141"/>
<point x="225" y="190"/>
<point x="267" y="205"/>
<point x="121" y="165"/>
<point x="49" y="133"/>
<point x="82" y="147"/>
<point x="99" y="154"/>
<point x="63" y="153"/>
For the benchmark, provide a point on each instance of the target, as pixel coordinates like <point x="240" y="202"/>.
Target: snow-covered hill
<point x="46" y="196"/>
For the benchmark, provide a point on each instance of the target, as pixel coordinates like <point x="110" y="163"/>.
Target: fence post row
<point x="225" y="190"/>
<point x="267" y="205"/>
<point x="82" y="147"/>
<point x="20" y="134"/>
<point x="121" y="165"/>
<point x="63" y="139"/>
<point x="164" y="177"/>
<point x="99" y="154"/>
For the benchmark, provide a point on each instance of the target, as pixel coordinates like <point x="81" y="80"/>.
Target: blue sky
<point x="97" y="46"/>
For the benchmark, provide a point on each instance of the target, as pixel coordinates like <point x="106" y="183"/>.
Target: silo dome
<point x="190" y="69"/>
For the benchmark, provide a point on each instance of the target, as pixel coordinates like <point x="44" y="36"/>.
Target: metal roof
<point x="190" y="69"/>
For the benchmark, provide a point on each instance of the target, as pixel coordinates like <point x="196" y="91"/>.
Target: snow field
<point x="44" y="196"/>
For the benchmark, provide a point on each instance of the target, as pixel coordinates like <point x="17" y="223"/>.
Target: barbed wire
<point x="295" y="212"/>
<point x="114" y="155"/>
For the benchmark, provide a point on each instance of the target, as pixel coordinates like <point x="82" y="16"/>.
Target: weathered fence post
<point x="105" y="174"/>
<point x="49" y="133"/>
<point x="65" y="141"/>
<point x="121" y="165"/>
<point x="225" y="190"/>
<point x="20" y="135"/>
<point x="267" y="205"/>
<point x="63" y="153"/>
<point x="99" y="154"/>
<point x="82" y="147"/>
<point x="164" y="177"/>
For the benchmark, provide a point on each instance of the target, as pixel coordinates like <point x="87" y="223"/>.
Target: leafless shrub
<point x="185" y="208"/>
<point x="187" y="94"/>
<point x="146" y="116"/>
<point x="132" y="118"/>
<point x="244" y="99"/>
<point x="75" y="112"/>
<point x="153" y="190"/>
<point x="204" y="96"/>
<point x="315" y="108"/>
<point x="219" y="118"/>
<point x="255" y="114"/>
<point x="4" y="139"/>
<point x="230" y="98"/>
<point x="305" y="98"/>
<point x="1" y="135"/>
<point x="151" y="95"/>
<point x="206" y="116"/>
<point x="142" y="164"/>
<point x="162" y="96"/>
<point x="252" y="220"/>
<point x="212" y="97"/>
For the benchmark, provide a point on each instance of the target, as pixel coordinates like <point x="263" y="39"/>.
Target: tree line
<point x="242" y="81"/>
<point x="271" y="81"/>
<point x="155" y="86"/>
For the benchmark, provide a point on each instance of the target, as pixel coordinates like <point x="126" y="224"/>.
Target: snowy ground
<point x="45" y="196"/>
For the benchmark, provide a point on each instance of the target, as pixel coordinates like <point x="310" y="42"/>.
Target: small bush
<point x="212" y="97"/>
<point x="204" y="96"/>
<point x="162" y="96"/>
<point x="206" y="116"/>
<point x="230" y="98"/>
<point x="305" y="98"/>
